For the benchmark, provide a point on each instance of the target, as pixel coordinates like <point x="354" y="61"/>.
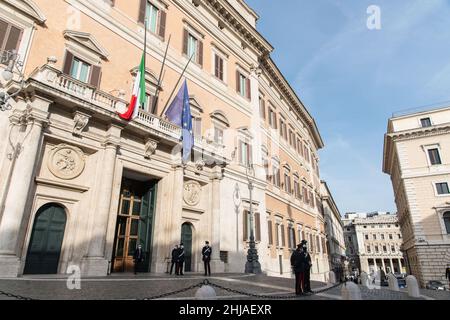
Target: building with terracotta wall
<point x="80" y="186"/>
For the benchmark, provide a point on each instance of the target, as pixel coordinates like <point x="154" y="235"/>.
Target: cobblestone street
<point x="130" y="287"/>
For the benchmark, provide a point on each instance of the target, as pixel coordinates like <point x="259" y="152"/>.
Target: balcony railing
<point x="54" y="78"/>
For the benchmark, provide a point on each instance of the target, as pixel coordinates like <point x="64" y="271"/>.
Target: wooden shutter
<point x="68" y="62"/>
<point x="294" y="238"/>
<point x="221" y="68"/>
<point x="3" y="30"/>
<point x="216" y="65"/>
<point x="162" y="24"/>
<point x="13" y="39"/>
<point x="249" y="90"/>
<point x="96" y="74"/>
<point x="185" y="41"/>
<point x="200" y="53"/>
<point x="283" y="238"/>
<point x="258" y="226"/>
<point x="269" y="228"/>
<point x="142" y="11"/>
<point x="263" y="109"/>
<point x="238" y="86"/>
<point x="245" y="224"/>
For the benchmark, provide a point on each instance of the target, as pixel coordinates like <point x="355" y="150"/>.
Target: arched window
<point x="446" y="217"/>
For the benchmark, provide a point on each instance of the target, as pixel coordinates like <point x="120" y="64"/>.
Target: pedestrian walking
<point x="308" y="265"/>
<point x="174" y="260"/>
<point x="206" y="256"/>
<point x="180" y="260"/>
<point x="298" y="266"/>
<point x="138" y="257"/>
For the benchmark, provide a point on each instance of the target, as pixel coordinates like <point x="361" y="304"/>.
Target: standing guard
<point x="308" y="265"/>
<point x="206" y="256"/>
<point x="174" y="260"/>
<point x="181" y="258"/>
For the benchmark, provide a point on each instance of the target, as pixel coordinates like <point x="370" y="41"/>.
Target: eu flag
<point x="179" y="113"/>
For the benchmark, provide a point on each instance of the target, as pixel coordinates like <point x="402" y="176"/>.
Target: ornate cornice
<point x="420" y="133"/>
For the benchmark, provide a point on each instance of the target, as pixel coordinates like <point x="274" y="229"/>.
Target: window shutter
<point x="162" y="24"/>
<point x="3" y="30"/>
<point x="249" y="92"/>
<point x="142" y="11"/>
<point x="216" y="65"/>
<point x="238" y="86"/>
<point x="258" y="226"/>
<point x="13" y="40"/>
<point x="185" y="41"/>
<point x="283" y="238"/>
<point x="68" y="62"/>
<point x="264" y="109"/>
<point x="221" y="68"/>
<point x="293" y="236"/>
<point x="245" y="224"/>
<point x="200" y="52"/>
<point x="96" y="74"/>
<point x="269" y="227"/>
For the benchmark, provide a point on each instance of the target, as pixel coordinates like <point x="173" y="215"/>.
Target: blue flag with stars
<point x="179" y="113"/>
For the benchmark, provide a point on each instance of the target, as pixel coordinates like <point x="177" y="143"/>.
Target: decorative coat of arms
<point x="192" y="192"/>
<point x="66" y="162"/>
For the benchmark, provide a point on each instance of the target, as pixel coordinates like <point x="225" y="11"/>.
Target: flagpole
<point x="178" y="82"/>
<point x="145" y="48"/>
<point x="155" y="101"/>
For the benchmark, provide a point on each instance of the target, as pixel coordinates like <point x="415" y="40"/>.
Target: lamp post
<point x="252" y="265"/>
<point x="11" y="59"/>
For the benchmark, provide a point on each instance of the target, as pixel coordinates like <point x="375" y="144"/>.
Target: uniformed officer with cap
<point x="308" y="265"/>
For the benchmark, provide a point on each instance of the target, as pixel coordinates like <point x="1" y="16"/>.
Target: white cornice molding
<point x="86" y="40"/>
<point x="28" y="7"/>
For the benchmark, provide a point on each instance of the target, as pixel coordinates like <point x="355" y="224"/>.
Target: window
<point x="442" y="188"/>
<point x="277" y="234"/>
<point x="218" y="67"/>
<point x="374" y="237"/>
<point x="287" y="182"/>
<point x="245" y="153"/>
<point x="426" y="122"/>
<point x="156" y="22"/>
<point x="10" y="36"/>
<point x="276" y="176"/>
<point x="399" y="236"/>
<point x="197" y="126"/>
<point x="382" y="236"/>
<point x="376" y="249"/>
<point x="297" y="189"/>
<point x="349" y="239"/>
<point x="390" y="237"/>
<point x="299" y="147"/>
<point x="305" y="195"/>
<point x="283" y="132"/>
<point x="384" y="249"/>
<point x="368" y="249"/>
<point x="393" y="249"/>
<point x="306" y="153"/>
<point x="80" y="70"/>
<point x="446" y="217"/>
<point x="292" y="239"/>
<point x="272" y="118"/>
<point x="269" y="228"/>
<point x="218" y="135"/>
<point x="243" y="85"/>
<point x="193" y="47"/>
<point x="434" y="156"/>
<point x="367" y="237"/>
<point x="262" y="107"/>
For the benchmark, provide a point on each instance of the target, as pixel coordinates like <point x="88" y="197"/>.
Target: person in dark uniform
<point x="308" y="265"/>
<point x="298" y="265"/>
<point x="447" y="274"/>
<point x="174" y="260"/>
<point x="181" y="258"/>
<point x="138" y="257"/>
<point x="206" y="256"/>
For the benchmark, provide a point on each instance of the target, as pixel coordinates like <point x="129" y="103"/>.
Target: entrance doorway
<point x="46" y="240"/>
<point x="134" y="225"/>
<point x="186" y="239"/>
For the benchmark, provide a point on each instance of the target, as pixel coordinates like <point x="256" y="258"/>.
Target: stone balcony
<point x="53" y="82"/>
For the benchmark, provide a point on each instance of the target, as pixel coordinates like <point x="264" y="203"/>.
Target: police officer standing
<point x="174" y="260"/>
<point x="181" y="259"/>
<point x="308" y="265"/>
<point x="298" y="265"/>
<point x="206" y="256"/>
<point x="138" y="257"/>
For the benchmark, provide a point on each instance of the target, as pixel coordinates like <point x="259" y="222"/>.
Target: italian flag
<point x="138" y="98"/>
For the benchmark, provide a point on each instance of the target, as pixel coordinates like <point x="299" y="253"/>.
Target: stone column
<point x="217" y="266"/>
<point x="95" y="263"/>
<point x="399" y="265"/>
<point x="384" y="266"/>
<point x="17" y="193"/>
<point x="392" y="265"/>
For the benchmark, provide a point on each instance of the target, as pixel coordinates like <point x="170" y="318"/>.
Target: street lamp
<point x="11" y="59"/>
<point x="252" y="265"/>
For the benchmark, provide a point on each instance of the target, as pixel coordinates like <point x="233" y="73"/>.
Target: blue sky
<point x="352" y="79"/>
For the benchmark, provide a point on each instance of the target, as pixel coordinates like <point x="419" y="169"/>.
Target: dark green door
<point x="46" y="240"/>
<point x="186" y="239"/>
<point x="146" y="225"/>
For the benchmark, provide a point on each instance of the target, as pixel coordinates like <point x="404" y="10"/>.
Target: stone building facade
<point x="416" y="156"/>
<point x="79" y="186"/>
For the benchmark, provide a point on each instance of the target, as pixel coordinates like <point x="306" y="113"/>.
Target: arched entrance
<point x="186" y="239"/>
<point x="46" y="240"/>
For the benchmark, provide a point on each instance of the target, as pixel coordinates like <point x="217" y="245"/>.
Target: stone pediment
<point x="29" y="8"/>
<point x="88" y="41"/>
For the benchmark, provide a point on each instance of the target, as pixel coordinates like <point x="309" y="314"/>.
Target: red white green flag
<point x="138" y="97"/>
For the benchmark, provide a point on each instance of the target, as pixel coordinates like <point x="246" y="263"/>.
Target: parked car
<point x="435" y="285"/>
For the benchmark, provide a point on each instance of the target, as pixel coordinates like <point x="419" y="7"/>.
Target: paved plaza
<point x="227" y="286"/>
